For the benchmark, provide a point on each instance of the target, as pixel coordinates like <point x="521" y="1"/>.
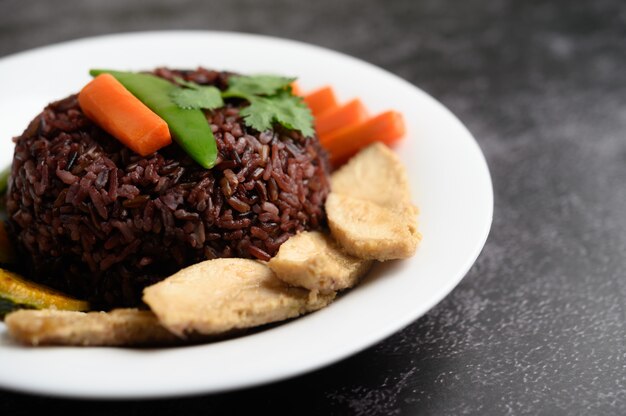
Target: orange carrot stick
<point x="349" y="114"/>
<point x="387" y="127"/>
<point x="105" y="101"/>
<point x="321" y="100"/>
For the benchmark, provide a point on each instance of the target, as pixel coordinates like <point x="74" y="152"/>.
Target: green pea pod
<point x="189" y="127"/>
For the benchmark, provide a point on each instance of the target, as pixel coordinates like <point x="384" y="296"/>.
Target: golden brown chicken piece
<point x="220" y="295"/>
<point x="369" y="210"/>
<point x="120" y="327"/>
<point x="314" y="261"/>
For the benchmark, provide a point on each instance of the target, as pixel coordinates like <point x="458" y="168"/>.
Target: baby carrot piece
<point x="387" y="127"/>
<point x="296" y="90"/>
<point x="351" y="113"/>
<point x="321" y="100"/>
<point x="110" y="105"/>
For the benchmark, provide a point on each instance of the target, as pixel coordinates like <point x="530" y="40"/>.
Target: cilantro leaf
<point x="258" y="114"/>
<point x="294" y="114"/>
<point x="246" y="86"/>
<point x="288" y="110"/>
<point x="270" y="97"/>
<point x="197" y="97"/>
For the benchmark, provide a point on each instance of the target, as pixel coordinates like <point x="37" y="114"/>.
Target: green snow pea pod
<point x="189" y="127"/>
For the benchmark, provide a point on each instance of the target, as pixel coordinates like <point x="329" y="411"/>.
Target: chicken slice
<point x="370" y="213"/>
<point x="219" y="295"/>
<point x="367" y="230"/>
<point x="375" y="174"/>
<point x="314" y="261"/>
<point x="120" y="327"/>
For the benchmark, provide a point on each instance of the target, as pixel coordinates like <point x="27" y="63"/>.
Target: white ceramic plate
<point x="449" y="178"/>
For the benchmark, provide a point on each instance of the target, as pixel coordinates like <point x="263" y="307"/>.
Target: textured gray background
<point x="538" y="324"/>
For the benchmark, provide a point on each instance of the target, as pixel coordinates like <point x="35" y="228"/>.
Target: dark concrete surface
<point x="537" y="326"/>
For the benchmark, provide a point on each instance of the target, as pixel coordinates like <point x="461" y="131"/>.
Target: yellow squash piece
<point x="18" y="293"/>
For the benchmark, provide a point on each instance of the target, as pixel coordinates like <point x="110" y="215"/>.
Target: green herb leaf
<point x="270" y="97"/>
<point x="257" y="85"/>
<point x="288" y="110"/>
<point x="207" y="98"/>
<point x="258" y="114"/>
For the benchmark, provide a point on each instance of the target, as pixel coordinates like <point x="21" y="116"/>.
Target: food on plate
<point x="119" y="327"/>
<point x="346" y="128"/>
<point x="344" y="143"/>
<point x="369" y="231"/>
<point x="321" y="100"/>
<point x="188" y="125"/>
<point x="4" y="183"/>
<point x="4" y="179"/>
<point x="19" y="293"/>
<point x="351" y="113"/>
<point x="170" y="206"/>
<point x="7" y="253"/>
<point x="220" y="295"/>
<point x="90" y="217"/>
<point x="105" y="101"/>
<point x="377" y="175"/>
<point x="313" y="260"/>
<point x="369" y="210"/>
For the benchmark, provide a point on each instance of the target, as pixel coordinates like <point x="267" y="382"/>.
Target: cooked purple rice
<point x="94" y="219"/>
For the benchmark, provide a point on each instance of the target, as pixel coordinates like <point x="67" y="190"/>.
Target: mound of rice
<point x="93" y="219"/>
